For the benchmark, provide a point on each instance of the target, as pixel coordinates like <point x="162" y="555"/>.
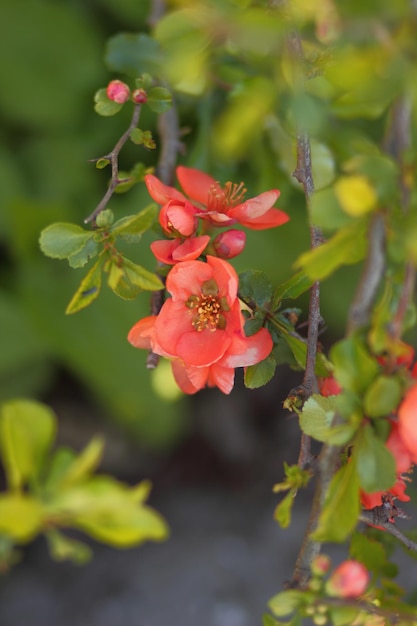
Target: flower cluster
<point x="402" y="437"/>
<point x="200" y="326"/>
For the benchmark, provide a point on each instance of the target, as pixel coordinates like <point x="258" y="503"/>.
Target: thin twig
<point x="374" y="517"/>
<point x="113" y="157"/>
<point x="367" y="607"/>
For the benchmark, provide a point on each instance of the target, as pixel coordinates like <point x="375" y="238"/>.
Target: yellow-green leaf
<point x="21" y="517"/>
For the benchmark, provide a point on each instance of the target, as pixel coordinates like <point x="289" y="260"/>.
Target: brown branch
<point x="378" y="517"/>
<point x="373" y="272"/>
<point x="372" y="609"/>
<point x="113" y="157"/>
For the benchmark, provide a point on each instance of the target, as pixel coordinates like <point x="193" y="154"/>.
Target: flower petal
<point x="141" y="333"/>
<point x="185" y="279"/>
<point x="179" y="217"/>
<point x="189" y="380"/>
<point x="203" y="348"/>
<point x="173" y="321"/>
<point x="221" y="377"/>
<point x="196" y="184"/>
<point x="245" y="351"/>
<point x="162" y="193"/>
<point x="226" y="278"/>
<point x="270" y="219"/>
<point x="257" y="206"/>
<point x="190" y="249"/>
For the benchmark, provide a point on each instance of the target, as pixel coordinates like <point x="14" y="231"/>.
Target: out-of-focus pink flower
<point x="118" y="91"/>
<point x="349" y="580"/>
<point x="139" y="96"/>
<point x="407" y="421"/>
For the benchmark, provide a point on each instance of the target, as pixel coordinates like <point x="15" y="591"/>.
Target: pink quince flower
<point x="118" y="91"/>
<point x="222" y="206"/>
<point x="349" y="580"/>
<point x="200" y="327"/>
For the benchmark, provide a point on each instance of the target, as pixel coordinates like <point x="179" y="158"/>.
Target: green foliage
<point x="376" y="466"/>
<point x="295" y="479"/>
<point x="316" y="416"/>
<point x="47" y="490"/>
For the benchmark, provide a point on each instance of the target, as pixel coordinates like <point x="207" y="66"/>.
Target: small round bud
<point x="229" y="244"/>
<point x="139" y="96"/>
<point x="349" y="580"/>
<point x="118" y="91"/>
<point x="320" y="565"/>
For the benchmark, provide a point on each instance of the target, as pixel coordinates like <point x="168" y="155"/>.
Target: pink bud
<point x="349" y="580"/>
<point x="320" y="564"/>
<point x="229" y="244"/>
<point x="117" y="91"/>
<point x="139" y="96"/>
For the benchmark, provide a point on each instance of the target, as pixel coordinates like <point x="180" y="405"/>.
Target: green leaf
<point x="136" y="136"/>
<point x="299" y="349"/>
<point x="292" y="288"/>
<point x="282" y="513"/>
<point x="88" y="290"/>
<point x="63" y="548"/>
<point x="369" y="552"/>
<point x="326" y="211"/>
<point x="130" y="279"/>
<point x="84" y="464"/>
<point x="62" y="241"/>
<point x="102" y="163"/>
<point x="343" y="615"/>
<point x="286" y="602"/>
<point x="79" y="259"/>
<point x="159" y="99"/>
<point x="355" y="369"/>
<point x="104" y="106"/>
<point x="255" y="287"/>
<point x="133" y="54"/>
<point x="27" y="430"/>
<point x="382" y="396"/>
<point x="316" y="416"/>
<point x="261" y="373"/>
<point x="375" y="463"/>
<point x="21" y="516"/>
<point x="346" y="247"/>
<point x="107" y="510"/>
<point x="341" y="508"/>
<point x="132" y="227"/>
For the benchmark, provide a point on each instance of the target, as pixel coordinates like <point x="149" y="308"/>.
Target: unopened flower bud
<point x="349" y="580"/>
<point x="229" y="244"/>
<point x="139" y="96"/>
<point x="118" y="91"/>
<point x="320" y="565"/>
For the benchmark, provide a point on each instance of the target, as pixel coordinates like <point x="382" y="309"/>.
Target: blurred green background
<point x="52" y="61"/>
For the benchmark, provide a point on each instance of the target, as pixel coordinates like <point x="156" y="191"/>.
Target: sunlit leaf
<point x="21" y="516"/>
<point x="61" y="241"/>
<point x="316" y="416"/>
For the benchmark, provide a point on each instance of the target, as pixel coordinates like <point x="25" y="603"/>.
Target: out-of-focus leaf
<point x="376" y="465"/>
<point x="346" y="247"/>
<point x="133" y="54"/>
<point x="63" y="548"/>
<point x="292" y="288"/>
<point x="159" y="99"/>
<point x="286" y="602"/>
<point x="316" y="416"/>
<point x="27" y="430"/>
<point x="341" y="508"/>
<point x="104" y="106"/>
<point x="355" y="194"/>
<point x="21" y="516"/>
<point x="382" y="397"/>
<point x="355" y="368"/>
<point x="84" y="464"/>
<point x="282" y="513"/>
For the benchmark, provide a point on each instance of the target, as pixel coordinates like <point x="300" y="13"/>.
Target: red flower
<point x="171" y="251"/>
<point x="407" y="422"/>
<point x="349" y="580"/>
<point x="201" y="327"/>
<point x="118" y="91"/>
<point x="222" y="206"/>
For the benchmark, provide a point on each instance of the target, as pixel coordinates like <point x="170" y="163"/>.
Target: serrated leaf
<point x="341" y="508"/>
<point x="88" y="290"/>
<point x="382" y="396"/>
<point x="292" y="288"/>
<point x="27" y="430"/>
<point x="159" y="100"/>
<point x="132" y="227"/>
<point x="261" y="373"/>
<point x="255" y="286"/>
<point x="80" y="258"/>
<point x="376" y="465"/>
<point x="62" y="240"/>
<point x="316" y="416"/>
<point x="21" y="516"/>
<point x="132" y="279"/>
<point x="346" y="247"/>
<point x="104" y="106"/>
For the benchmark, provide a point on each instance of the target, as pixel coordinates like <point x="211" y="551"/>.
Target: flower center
<point x="220" y="199"/>
<point x="207" y="308"/>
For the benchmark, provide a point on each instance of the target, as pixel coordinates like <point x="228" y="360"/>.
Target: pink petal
<point x="189" y="379"/>
<point x="161" y="193"/>
<point x="245" y="351"/>
<point x="196" y="184"/>
<point x="141" y="333"/>
<point x="173" y="321"/>
<point x="257" y="206"/>
<point x="178" y="216"/>
<point x="190" y="249"/>
<point x="221" y="377"/>
<point x="163" y="250"/>
<point x="202" y="348"/>
<point x="271" y="219"/>
<point x="185" y="279"/>
<point x="226" y="278"/>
